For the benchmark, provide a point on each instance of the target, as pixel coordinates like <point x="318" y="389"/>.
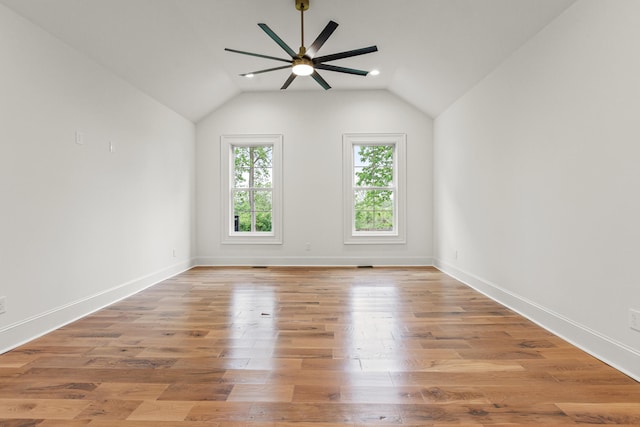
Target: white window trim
<point x="398" y="235"/>
<point x="227" y="142"/>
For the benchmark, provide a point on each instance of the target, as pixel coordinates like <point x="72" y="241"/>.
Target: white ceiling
<point x="430" y="51"/>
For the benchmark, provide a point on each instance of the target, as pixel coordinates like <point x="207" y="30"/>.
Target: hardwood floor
<point x="308" y="347"/>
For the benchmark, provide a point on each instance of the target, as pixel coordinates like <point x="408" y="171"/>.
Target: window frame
<point x="398" y="234"/>
<point x="227" y="143"/>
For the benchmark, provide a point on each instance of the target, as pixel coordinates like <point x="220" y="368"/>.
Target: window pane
<point x="241" y="157"/>
<point x="384" y="220"/>
<point x="262" y="178"/>
<point x="263" y="221"/>
<point x="357" y="173"/>
<point x="240" y="167"/>
<point x="363" y="220"/>
<point x="373" y="165"/>
<point x="262" y="156"/>
<point x="241" y="201"/>
<point x="243" y="222"/>
<point x="361" y="198"/>
<point x="384" y="199"/>
<point x="373" y="210"/>
<point x="241" y="178"/>
<point x="373" y="199"/>
<point x="252" y="210"/>
<point x="252" y="167"/>
<point x="370" y="220"/>
<point x="262" y="201"/>
<point x="241" y="153"/>
<point x="358" y="160"/>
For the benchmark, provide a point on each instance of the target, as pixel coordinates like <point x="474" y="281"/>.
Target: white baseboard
<point x="302" y="261"/>
<point x="608" y="350"/>
<point x="29" y="329"/>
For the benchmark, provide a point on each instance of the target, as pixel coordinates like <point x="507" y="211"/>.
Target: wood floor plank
<point x="41" y="408"/>
<point x="130" y="391"/>
<point x="603" y="413"/>
<point x="308" y="347"/>
<point x="261" y="393"/>
<point x="111" y="409"/>
<point x="161" y="411"/>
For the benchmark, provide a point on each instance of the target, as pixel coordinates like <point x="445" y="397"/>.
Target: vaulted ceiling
<point x="430" y="51"/>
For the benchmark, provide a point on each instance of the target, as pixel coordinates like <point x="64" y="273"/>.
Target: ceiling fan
<point x="305" y="62"/>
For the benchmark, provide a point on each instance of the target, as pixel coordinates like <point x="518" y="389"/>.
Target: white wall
<point x="80" y="226"/>
<point x="312" y="124"/>
<point x="537" y="180"/>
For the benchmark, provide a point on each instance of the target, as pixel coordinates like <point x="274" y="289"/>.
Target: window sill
<point x="252" y="239"/>
<point x="374" y="240"/>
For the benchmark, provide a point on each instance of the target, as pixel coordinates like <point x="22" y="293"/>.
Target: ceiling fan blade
<point x="266" y="71"/>
<point x="322" y="82"/>
<point x="257" y="54"/>
<point x="341" y="69"/>
<point x="278" y="40"/>
<point x="347" y="54"/>
<point x="324" y="35"/>
<point x="288" y="82"/>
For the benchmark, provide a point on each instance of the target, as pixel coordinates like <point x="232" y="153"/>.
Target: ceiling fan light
<point x="302" y="67"/>
<point x="302" y="70"/>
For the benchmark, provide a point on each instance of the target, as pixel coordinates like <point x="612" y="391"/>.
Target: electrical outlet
<point x="634" y="319"/>
<point x="79" y="137"/>
<point x="3" y="305"/>
<point x="174" y="253"/>
<point x="307" y="246"/>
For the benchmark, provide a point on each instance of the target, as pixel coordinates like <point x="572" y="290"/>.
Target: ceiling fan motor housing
<point x="302" y="5"/>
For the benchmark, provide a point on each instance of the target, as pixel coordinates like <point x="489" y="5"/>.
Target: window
<point x="374" y="181"/>
<point x="251" y="179"/>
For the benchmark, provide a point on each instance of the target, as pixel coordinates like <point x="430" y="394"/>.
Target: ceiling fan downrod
<point x="302" y="5"/>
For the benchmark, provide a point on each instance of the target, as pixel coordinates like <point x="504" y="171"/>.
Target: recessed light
<point x="249" y="76"/>
<point x="374" y="72"/>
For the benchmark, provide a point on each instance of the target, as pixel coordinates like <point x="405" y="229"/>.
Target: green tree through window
<point x="252" y="188"/>
<point x="373" y="187"/>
